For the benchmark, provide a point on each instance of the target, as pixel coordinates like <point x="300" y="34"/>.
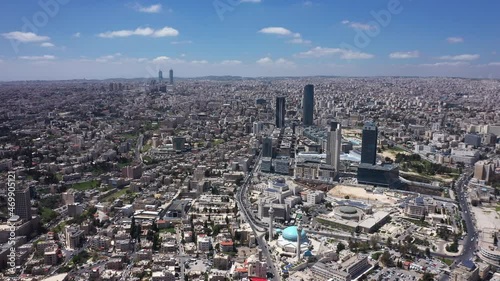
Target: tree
<point x="427" y="277"/>
<point x="340" y="247"/>
<point x="133" y="229"/>
<point x="386" y="259"/>
<point x="374" y="241"/>
<point x="389" y="242"/>
<point x="154" y="227"/>
<point x="428" y="252"/>
<point x="138" y="233"/>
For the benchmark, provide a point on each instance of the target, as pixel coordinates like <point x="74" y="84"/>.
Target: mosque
<point x="287" y="240"/>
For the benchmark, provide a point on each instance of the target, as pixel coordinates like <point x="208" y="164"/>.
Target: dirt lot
<point x="486" y="217"/>
<point x="354" y="192"/>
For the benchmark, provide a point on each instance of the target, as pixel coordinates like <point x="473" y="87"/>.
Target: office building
<point x="160" y="76"/>
<point x="178" y="143"/>
<point x="466" y="271"/>
<point x="308" y="105"/>
<point x="369" y="144"/>
<point x="280" y="112"/>
<point x="23" y="204"/>
<point x="334" y="143"/>
<point x="256" y="128"/>
<point x="267" y="147"/>
<point x="171" y="72"/>
<point x="473" y="139"/>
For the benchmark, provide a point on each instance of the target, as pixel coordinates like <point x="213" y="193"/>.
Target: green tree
<point x="340" y="247"/>
<point x="427" y="277"/>
<point x="428" y="252"/>
<point x="386" y="259"/>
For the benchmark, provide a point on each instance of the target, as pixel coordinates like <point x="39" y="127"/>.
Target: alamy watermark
<point x="11" y="206"/>
<point x="49" y="9"/>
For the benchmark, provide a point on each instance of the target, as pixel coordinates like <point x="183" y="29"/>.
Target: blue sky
<point x="74" y="39"/>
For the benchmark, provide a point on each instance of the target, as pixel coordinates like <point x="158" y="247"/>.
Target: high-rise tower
<point x="308" y="104"/>
<point x="280" y="112"/>
<point x="271" y="220"/>
<point x="23" y="204"/>
<point x="267" y="147"/>
<point x="369" y="144"/>
<point x="171" y="74"/>
<point x="334" y="143"/>
<point x="160" y="76"/>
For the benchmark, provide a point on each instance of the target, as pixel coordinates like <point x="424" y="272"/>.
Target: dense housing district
<point x="230" y="178"/>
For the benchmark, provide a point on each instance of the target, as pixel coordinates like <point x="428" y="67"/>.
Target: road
<point x="258" y="228"/>
<point x="470" y="240"/>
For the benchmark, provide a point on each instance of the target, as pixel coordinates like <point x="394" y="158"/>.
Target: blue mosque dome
<point x="290" y="234"/>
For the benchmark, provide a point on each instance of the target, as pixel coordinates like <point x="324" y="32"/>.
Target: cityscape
<point x="173" y="176"/>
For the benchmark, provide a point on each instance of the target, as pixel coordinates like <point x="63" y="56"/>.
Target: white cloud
<point x="47" y="45"/>
<point x="231" y="62"/>
<point x="25" y="37"/>
<point x="181" y="42"/>
<point x="166" y="31"/>
<point x="299" y="41"/>
<point x="199" y="62"/>
<point x="141" y="31"/>
<point x="358" y="25"/>
<point x="455" y="63"/>
<point x="165" y="59"/>
<point x="264" y="60"/>
<point x="281" y="31"/>
<point x="108" y="57"/>
<point x="404" y="55"/>
<point x="467" y="57"/>
<point x="308" y="3"/>
<point x="77" y="35"/>
<point x="276" y="30"/>
<point x="496" y="63"/>
<point x="153" y="9"/>
<point x="250" y="1"/>
<point x="318" y="52"/>
<point x="44" y="57"/>
<point x="454" y="40"/>
<point x="270" y="62"/>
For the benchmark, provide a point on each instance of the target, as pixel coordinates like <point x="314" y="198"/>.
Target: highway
<point x="470" y="240"/>
<point x="245" y="207"/>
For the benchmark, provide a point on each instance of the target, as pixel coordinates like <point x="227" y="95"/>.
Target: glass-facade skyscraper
<point x="267" y="147"/>
<point x="308" y="105"/>
<point x="369" y="144"/>
<point x="171" y="77"/>
<point x="280" y="112"/>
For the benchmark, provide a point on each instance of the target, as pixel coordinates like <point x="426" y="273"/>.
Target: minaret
<point x="271" y="220"/>
<point x="299" y="232"/>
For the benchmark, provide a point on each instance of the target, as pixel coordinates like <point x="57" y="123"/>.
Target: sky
<point x="100" y="39"/>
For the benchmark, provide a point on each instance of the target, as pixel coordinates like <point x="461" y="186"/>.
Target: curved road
<point x="244" y="207"/>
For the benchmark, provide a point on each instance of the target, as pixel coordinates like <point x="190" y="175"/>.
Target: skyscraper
<point x="23" y="204"/>
<point x="160" y="76"/>
<point x="308" y="104"/>
<point x="369" y="144"/>
<point x="280" y="112"/>
<point x="171" y="77"/>
<point x="334" y="143"/>
<point x="267" y="147"/>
